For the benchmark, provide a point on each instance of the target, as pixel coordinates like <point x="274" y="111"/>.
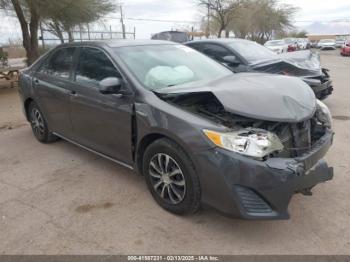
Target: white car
<point x="277" y="46"/>
<point x="327" y="44"/>
<point x="303" y="43"/>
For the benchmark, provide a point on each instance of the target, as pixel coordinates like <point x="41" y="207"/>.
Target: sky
<point x="186" y="11"/>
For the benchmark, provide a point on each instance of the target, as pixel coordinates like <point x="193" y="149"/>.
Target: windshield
<point x="274" y="43"/>
<point x="161" y="66"/>
<point x="252" y="51"/>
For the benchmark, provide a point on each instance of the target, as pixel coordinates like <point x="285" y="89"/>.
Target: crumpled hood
<point x="300" y="63"/>
<point x="258" y="96"/>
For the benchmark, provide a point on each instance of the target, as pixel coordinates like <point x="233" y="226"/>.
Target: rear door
<point x="100" y="122"/>
<point x="52" y="84"/>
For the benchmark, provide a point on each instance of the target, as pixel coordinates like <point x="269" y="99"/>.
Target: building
<point x="333" y="36"/>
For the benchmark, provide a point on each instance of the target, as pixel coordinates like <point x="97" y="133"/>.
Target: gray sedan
<point x="241" y="143"/>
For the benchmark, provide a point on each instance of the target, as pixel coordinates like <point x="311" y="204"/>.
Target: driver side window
<point x="216" y="52"/>
<point x="94" y="66"/>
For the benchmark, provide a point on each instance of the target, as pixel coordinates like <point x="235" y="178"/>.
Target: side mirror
<point x="110" y="85"/>
<point x="231" y="60"/>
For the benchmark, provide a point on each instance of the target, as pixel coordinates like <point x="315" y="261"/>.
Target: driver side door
<point x="101" y="122"/>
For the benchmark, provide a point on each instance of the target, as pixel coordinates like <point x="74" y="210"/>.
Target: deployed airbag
<point x="162" y="76"/>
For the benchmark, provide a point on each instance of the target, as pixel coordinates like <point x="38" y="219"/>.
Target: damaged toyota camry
<point x="241" y="143"/>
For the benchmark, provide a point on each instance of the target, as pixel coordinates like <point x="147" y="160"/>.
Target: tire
<point x="179" y="183"/>
<point x="39" y="125"/>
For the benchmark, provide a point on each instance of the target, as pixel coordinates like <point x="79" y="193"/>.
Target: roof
<point x="120" y="43"/>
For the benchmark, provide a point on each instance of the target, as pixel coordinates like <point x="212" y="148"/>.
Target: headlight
<point x="323" y="114"/>
<point x="256" y="143"/>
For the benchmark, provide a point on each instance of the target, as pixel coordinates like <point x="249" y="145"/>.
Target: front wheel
<point x="39" y="125"/>
<point x="171" y="177"/>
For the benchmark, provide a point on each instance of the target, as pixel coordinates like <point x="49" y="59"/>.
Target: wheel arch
<point x="27" y="102"/>
<point x="147" y="140"/>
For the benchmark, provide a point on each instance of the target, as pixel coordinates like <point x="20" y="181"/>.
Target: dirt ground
<point x="60" y="199"/>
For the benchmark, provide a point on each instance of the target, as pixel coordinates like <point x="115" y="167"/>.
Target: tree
<point x="260" y="20"/>
<point x="60" y="13"/>
<point x="27" y="12"/>
<point x="296" y="34"/>
<point x="220" y="12"/>
<point x="68" y="14"/>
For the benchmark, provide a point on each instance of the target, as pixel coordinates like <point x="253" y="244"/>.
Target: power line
<point x="150" y="20"/>
<point x="335" y="19"/>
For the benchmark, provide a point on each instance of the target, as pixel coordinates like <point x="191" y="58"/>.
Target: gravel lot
<point x="60" y="199"/>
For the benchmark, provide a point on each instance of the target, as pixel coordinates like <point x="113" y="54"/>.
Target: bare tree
<point x="220" y="12"/>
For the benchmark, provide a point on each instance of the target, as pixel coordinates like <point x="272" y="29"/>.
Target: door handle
<point x="73" y="93"/>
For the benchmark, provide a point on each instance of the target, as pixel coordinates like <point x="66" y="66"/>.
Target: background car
<point x="339" y="42"/>
<point x="277" y="46"/>
<point x="345" y="50"/>
<point x="327" y="44"/>
<point x="313" y="44"/>
<point x="174" y="36"/>
<point x="303" y="43"/>
<point x="292" y="44"/>
<point x="245" y="56"/>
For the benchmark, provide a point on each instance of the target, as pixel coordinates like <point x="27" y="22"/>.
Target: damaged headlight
<point x="323" y="114"/>
<point x="256" y="143"/>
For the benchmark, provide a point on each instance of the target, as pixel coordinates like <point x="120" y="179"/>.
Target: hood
<point x="300" y="63"/>
<point x="258" y="96"/>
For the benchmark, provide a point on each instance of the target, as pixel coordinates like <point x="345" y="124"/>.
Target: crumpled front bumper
<point x="322" y="89"/>
<point x="242" y="187"/>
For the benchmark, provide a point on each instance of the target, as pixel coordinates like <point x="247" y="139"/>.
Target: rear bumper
<point x="243" y="187"/>
<point x="328" y="48"/>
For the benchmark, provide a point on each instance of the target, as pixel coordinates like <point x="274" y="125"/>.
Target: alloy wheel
<point x="37" y="122"/>
<point x="167" y="178"/>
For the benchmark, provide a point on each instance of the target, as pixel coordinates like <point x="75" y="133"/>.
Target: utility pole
<point x="122" y="20"/>
<point x="208" y="32"/>
<point x="42" y="35"/>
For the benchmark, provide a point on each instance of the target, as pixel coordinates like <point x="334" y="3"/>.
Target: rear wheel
<point x="39" y="124"/>
<point x="171" y="177"/>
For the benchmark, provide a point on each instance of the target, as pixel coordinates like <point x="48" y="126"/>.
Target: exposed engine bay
<point x="297" y="138"/>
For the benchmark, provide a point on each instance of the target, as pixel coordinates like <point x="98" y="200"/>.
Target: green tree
<point x="67" y="14"/>
<point x="296" y="34"/>
<point x="259" y="20"/>
<point x="28" y="14"/>
<point x="62" y="12"/>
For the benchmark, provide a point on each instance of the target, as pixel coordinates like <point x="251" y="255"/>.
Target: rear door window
<point x="59" y="64"/>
